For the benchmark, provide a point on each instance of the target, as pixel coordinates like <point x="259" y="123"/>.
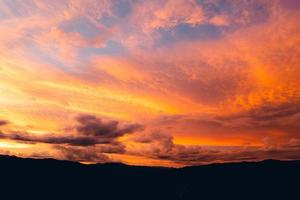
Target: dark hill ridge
<point x="48" y="178"/>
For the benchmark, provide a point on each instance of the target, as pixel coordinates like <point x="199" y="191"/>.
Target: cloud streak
<point x="90" y="131"/>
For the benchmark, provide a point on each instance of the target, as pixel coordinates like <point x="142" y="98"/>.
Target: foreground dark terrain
<point x="29" y="178"/>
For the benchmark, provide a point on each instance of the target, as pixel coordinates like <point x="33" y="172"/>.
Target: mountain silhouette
<point x="48" y="178"/>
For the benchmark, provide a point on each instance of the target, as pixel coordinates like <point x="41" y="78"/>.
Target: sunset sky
<point x="158" y="83"/>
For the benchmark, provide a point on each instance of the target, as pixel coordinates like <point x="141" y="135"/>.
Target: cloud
<point x="3" y="122"/>
<point x="268" y="116"/>
<point x="171" y="13"/>
<point x="53" y="139"/>
<point x="90" y="131"/>
<point x="81" y="154"/>
<point x="38" y="26"/>
<point x="93" y="126"/>
<point x="161" y="146"/>
<point x="250" y="127"/>
<point x="219" y="20"/>
<point x="98" y="154"/>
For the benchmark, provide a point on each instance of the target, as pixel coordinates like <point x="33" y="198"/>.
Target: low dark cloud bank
<point x="90" y="131"/>
<point x="161" y="146"/>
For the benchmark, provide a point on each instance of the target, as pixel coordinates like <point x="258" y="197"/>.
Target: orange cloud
<point x="205" y="81"/>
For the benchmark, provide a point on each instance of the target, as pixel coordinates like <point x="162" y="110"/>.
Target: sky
<point x="156" y="83"/>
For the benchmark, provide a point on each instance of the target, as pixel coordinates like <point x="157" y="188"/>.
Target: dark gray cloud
<point x="284" y="118"/>
<point x="87" y="154"/>
<point x="55" y="139"/>
<point x="88" y="141"/>
<point x="93" y="126"/>
<point x="90" y="153"/>
<point x="90" y="131"/>
<point x="161" y="146"/>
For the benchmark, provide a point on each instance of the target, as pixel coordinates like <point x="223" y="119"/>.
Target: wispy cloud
<point x="199" y="72"/>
